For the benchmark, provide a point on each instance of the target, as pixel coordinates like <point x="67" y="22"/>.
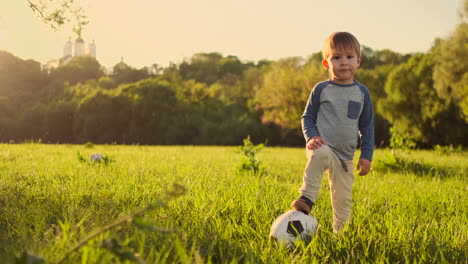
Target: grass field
<point x="413" y="209"/>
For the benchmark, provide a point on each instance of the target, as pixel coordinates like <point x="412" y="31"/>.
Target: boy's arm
<point x="366" y="128"/>
<point x="309" y="117"/>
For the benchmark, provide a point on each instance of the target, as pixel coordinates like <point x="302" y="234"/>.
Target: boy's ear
<point x="325" y="64"/>
<point x="359" y="61"/>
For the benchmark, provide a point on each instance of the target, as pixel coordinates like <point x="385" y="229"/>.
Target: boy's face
<point x="342" y="65"/>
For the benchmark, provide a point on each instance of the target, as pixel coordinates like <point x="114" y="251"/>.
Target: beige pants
<point x="341" y="182"/>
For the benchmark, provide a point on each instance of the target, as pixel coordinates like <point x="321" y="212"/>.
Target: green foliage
<point x="21" y="83"/>
<point x="123" y="74"/>
<point x="372" y="59"/>
<point x="208" y="68"/>
<point x="58" y="119"/>
<point x="448" y="150"/>
<point x="451" y="70"/>
<point x="106" y="82"/>
<point x="401" y="141"/>
<point x="284" y="91"/>
<point x="78" y="70"/>
<point x="60" y="12"/>
<point x="102" y="117"/>
<point x="81" y="158"/>
<point x="249" y="161"/>
<point x="30" y="123"/>
<point x="375" y="80"/>
<point x="414" y="108"/>
<point x="152" y="112"/>
<point x="202" y="67"/>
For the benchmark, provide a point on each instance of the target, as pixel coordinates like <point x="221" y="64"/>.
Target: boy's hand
<point x="315" y="142"/>
<point x="363" y="166"/>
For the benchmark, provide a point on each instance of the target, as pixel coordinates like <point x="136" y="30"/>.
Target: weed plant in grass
<point x="49" y="200"/>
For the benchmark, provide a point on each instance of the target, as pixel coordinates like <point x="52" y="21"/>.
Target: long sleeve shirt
<point x="341" y="114"/>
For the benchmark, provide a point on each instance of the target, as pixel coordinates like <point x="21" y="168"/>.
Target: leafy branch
<point x="56" y="13"/>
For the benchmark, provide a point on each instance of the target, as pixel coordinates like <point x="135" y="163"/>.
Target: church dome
<point x="79" y="47"/>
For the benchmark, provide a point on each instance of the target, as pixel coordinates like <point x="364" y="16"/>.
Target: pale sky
<point x="145" y="32"/>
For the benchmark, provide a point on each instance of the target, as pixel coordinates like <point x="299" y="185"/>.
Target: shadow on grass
<point x="383" y="247"/>
<point x="404" y="165"/>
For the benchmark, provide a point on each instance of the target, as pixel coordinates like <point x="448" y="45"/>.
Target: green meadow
<point x="58" y="206"/>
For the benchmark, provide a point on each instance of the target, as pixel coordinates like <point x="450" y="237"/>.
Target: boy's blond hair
<point x="340" y="41"/>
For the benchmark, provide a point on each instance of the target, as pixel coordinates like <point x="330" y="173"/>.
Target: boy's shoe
<point x="302" y="204"/>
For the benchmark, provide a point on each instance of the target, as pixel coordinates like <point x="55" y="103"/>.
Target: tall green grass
<point x="411" y="209"/>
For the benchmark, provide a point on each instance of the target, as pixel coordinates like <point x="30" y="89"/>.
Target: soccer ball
<point x="291" y="226"/>
<point x="96" y="157"/>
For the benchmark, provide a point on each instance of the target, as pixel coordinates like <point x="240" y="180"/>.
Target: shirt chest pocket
<point x="354" y="108"/>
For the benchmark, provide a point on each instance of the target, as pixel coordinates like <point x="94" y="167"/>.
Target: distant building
<point x="71" y="50"/>
<point x="92" y="50"/>
<point x="67" y="49"/>
<point x="79" y="47"/>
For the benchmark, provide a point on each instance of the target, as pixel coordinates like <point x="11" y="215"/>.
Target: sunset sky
<point x="144" y="32"/>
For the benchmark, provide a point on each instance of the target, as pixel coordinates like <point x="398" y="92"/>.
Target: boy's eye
<point x="336" y="57"/>
<point x="350" y="56"/>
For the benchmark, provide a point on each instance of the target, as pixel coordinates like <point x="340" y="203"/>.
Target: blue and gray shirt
<point x="340" y="114"/>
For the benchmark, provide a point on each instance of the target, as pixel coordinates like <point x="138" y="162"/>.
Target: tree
<point x="231" y="65"/>
<point x="58" y="121"/>
<point x="284" y="92"/>
<point x="414" y="108"/>
<point x="153" y="111"/>
<point x="451" y="70"/>
<point x="21" y="84"/>
<point x="375" y="80"/>
<point x="202" y="67"/>
<point x="102" y="117"/>
<point x="375" y="58"/>
<point x="210" y="67"/>
<point x="78" y="70"/>
<point x="107" y="82"/>
<point x="30" y="123"/>
<point x="123" y="73"/>
<point x="20" y="80"/>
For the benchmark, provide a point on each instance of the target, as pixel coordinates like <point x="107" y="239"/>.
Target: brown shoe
<point x="302" y="204"/>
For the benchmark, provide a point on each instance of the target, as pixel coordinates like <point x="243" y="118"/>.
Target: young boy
<point x="337" y="113"/>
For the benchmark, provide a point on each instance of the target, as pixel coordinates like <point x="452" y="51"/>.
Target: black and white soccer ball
<point x="292" y="226"/>
<point x="96" y="157"/>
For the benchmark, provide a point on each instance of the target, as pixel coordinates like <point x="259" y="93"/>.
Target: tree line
<point x="211" y="99"/>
